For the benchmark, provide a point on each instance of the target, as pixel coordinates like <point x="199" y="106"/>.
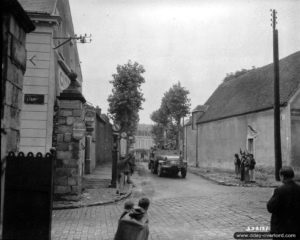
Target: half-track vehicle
<point x="167" y="161"/>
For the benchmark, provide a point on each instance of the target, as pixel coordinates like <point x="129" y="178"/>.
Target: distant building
<point x="143" y="137"/>
<point x="240" y="115"/>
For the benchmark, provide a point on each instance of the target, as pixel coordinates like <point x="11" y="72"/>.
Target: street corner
<point x="94" y="197"/>
<point x="227" y="178"/>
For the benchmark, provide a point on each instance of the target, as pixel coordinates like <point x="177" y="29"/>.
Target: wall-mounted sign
<point x="116" y="127"/>
<point x="79" y="130"/>
<point x="34" y="98"/>
<point x="89" y="116"/>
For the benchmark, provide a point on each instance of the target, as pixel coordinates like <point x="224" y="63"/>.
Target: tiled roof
<point x="200" y="108"/>
<point x="254" y="90"/>
<point x="39" y="6"/>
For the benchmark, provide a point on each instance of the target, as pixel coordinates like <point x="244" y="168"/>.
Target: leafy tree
<point x="157" y="132"/>
<point x="127" y="97"/>
<point x="175" y="104"/>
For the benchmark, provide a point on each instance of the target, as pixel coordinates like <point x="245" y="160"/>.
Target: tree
<point x="127" y="97"/>
<point x="174" y="106"/>
<point x="157" y="132"/>
<point x="176" y="102"/>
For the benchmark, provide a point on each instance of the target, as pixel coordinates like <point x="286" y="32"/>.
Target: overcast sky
<point x="194" y="42"/>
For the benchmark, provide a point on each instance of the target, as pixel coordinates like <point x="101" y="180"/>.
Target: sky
<point x="196" y="42"/>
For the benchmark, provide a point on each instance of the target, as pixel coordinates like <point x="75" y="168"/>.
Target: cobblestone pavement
<point x="191" y="208"/>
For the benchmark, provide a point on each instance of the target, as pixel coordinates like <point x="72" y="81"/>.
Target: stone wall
<point x="15" y="24"/>
<point x="69" y="165"/>
<point x="104" y="140"/>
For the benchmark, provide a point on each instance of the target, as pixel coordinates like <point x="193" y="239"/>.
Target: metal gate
<point x="28" y="196"/>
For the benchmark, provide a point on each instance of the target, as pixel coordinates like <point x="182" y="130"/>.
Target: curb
<point x="228" y="184"/>
<point x="99" y="203"/>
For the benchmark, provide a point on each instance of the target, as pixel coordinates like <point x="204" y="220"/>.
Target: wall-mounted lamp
<point x="81" y="39"/>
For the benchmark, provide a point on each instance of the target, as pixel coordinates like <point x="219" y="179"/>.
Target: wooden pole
<point x="277" y="137"/>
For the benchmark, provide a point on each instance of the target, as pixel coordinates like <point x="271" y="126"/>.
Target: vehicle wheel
<point x="159" y="171"/>
<point x="183" y="173"/>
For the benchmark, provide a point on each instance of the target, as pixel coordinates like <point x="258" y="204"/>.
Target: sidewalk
<point x="96" y="190"/>
<point x="228" y="178"/>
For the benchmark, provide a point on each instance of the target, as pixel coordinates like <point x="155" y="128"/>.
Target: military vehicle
<point x="167" y="161"/>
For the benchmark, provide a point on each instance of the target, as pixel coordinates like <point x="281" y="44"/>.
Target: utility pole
<point x="277" y="138"/>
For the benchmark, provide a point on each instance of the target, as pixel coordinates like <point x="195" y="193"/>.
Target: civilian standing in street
<point x="237" y="165"/>
<point x="243" y="168"/>
<point x="284" y="206"/>
<point x="252" y="168"/>
<point x="247" y="168"/>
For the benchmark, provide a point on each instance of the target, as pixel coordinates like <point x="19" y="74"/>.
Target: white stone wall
<point x="36" y="119"/>
<point x="218" y="141"/>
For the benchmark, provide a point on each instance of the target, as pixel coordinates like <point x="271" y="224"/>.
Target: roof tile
<point x="38" y="6"/>
<point x="254" y="90"/>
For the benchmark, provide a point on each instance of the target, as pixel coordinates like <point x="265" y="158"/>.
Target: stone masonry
<point x="70" y="151"/>
<point x="15" y="24"/>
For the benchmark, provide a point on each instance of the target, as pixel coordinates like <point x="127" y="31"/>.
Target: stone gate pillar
<point x="70" y="137"/>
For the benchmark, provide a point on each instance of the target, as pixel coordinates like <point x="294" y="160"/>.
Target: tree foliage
<point x="175" y="105"/>
<point x="127" y="97"/>
<point x="157" y="132"/>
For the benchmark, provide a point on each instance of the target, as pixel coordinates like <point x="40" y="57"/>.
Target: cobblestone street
<point x="191" y="208"/>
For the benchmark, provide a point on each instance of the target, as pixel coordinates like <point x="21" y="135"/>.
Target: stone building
<point x="53" y="111"/>
<point x="15" y="25"/>
<point x="239" y="115"/>
<point x="143" y="138"/>
<point x="49" y="64"/>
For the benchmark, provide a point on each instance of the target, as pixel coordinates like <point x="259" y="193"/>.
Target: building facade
<point x="48" y="68"/>
<point x="15" y="25"/>
<point x="239" y="115"/>
<point x="143" y="137"/>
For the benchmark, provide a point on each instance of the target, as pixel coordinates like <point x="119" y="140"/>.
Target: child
<point x="128" y="206"/>
<point x="144" y="204"/>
